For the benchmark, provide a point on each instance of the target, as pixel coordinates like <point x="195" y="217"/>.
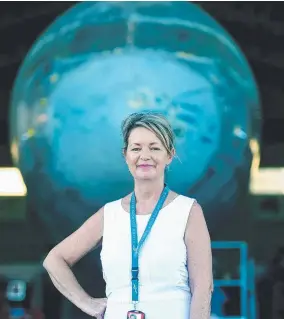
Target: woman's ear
<point x="124" y="154"/>
<point x="172" y="155"/>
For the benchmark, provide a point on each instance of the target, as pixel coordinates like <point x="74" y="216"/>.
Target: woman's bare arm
<point x="199" y="253"/>
<point x="60" y="259"/>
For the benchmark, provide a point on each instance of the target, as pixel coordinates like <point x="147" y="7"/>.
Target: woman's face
<point x="146" y="156"/>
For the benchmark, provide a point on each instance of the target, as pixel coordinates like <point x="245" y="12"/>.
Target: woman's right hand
<point x="95" y="307"/>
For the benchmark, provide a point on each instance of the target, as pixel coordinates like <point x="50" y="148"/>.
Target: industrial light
<point x="264" y="180"/>
<point x="267" y="181"/>
<point x="255" y="150"/>
<point x="11" y="182"/>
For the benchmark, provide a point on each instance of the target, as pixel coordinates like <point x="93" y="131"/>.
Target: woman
<point x="167" y="273"/>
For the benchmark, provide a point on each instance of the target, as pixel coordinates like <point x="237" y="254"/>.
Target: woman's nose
<point x="145" y="155"/>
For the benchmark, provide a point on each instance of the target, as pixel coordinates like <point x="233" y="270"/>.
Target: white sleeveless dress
<point x="163" y="277"/>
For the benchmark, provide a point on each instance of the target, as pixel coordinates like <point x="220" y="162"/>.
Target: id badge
<point x="135" y="314"/>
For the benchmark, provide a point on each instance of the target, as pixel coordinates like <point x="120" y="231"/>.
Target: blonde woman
<point x="156" y="250"/>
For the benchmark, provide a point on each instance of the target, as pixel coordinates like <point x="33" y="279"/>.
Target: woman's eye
<point x="135" y="149"/>
<point x="155" y="149"/>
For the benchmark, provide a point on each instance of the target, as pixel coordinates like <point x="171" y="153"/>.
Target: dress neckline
<point x="148" y="215"/>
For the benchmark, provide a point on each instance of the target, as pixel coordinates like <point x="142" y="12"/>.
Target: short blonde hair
<point x="155" y="122"/>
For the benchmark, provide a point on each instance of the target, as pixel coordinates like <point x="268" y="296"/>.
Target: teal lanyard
<point x="136" y="247"/>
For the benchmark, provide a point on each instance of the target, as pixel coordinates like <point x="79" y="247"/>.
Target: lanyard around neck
<point x="136" y="247"/>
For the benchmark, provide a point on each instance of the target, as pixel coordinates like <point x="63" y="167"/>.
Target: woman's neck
<point x="148" y="190"/>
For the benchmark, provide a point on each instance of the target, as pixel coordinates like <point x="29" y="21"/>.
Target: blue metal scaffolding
<point x="246" y="280"/>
